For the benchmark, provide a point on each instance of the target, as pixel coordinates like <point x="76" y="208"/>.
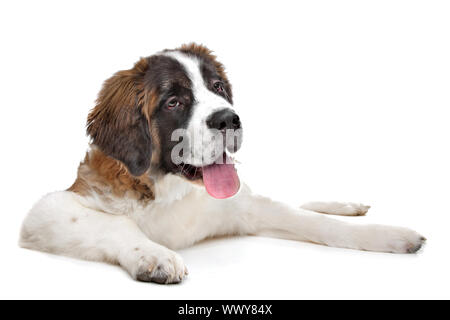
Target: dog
<point x="136" y="200"/>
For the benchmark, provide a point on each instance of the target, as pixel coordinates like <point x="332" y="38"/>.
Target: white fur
<point x="337" y="208"/>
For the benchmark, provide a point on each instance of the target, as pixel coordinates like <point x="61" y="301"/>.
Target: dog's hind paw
<point x="337" y="208"/>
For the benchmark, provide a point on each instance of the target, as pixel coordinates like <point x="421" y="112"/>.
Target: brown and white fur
<point x="130" y="206"/>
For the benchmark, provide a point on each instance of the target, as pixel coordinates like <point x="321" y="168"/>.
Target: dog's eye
<point x="218" y="86"/>
<point x="173" y="103"/>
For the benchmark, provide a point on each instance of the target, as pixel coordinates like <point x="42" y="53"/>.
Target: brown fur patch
<point x="104" y="175"/>
<point x="119" y="123"/>
<point x="149" y="103"/>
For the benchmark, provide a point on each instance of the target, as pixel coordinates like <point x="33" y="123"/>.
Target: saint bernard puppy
<point x="140" y="193"/>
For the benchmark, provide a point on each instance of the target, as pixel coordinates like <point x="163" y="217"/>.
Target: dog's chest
<point x="179" y="214"/>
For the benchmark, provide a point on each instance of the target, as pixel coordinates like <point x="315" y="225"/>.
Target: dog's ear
<point x="118" y="125"/>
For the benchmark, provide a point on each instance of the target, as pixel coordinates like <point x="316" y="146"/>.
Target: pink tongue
<point x="221" y="180"/>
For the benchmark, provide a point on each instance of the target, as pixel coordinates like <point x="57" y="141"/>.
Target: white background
<point x="340" y="100"/>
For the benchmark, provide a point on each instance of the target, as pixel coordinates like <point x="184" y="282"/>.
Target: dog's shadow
<point x="231" y="250"/>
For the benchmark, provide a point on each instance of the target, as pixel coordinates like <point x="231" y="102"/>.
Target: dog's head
<point x="171" y="112"/>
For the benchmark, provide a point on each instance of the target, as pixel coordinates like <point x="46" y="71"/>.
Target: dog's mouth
<point x="220" y="179"/>
<point x="190" y="172"/>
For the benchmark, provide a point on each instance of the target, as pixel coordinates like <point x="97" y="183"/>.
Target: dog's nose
<point x="223" y="119"/>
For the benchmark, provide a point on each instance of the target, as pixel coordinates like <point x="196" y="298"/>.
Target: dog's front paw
<point x="161" y="266"/>
<point x="393" y="240"/>
<point x="406" y="241"/>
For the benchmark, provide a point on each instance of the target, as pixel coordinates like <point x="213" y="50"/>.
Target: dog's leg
<point x="337" y="208"/>
<point x="265" y="217"/>
<point x="59" y="224"/>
